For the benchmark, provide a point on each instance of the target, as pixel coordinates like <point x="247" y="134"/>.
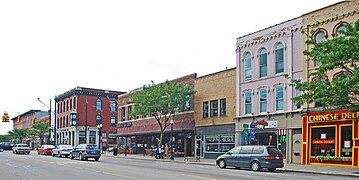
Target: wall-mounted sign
<point x="333" y="116"/>
<point x="323" y="141"/>
<point x="125" y="124"/>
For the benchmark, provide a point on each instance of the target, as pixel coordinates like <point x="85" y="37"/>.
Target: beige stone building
<point x="214" y="106"/>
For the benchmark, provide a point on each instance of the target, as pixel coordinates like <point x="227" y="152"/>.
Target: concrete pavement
<point x="312" y="169"/>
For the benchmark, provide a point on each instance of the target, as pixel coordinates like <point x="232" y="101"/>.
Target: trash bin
<point x="115" y="151"/>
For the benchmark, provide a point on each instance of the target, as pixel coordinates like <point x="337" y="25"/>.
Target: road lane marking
<point x="201" y="177"/>
<point x="11" y="165"/>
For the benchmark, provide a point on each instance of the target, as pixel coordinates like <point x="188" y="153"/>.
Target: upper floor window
<point x="262" y="62"/>
<point x="205" y="109"/>
<point x="74" y="102"/>
<point x="98" y="119"/>
<point x="187" y="103"/>
<point x="320" y="36"/>
<point x="263" y="100"/>
<point x="58" y="108"/>
<point x="223" y="106"/>
<point x="113" y="120"/>
<point x="340" y="30"/>
<point x="247" y="66"/>
<point x="67" y="105"/>
<point x="129" y="110"/>
<point x="70" y="104"/>
<point x="123" y="113"/>
<point x="113" y="106"/>
<point x="98" y="104"/>
<point x="247" y="102"/>
<point x="279" y="98"/>
<point x="297" y="93"/>
<point x="279" y="58"/>
<point x="214" y="108"/>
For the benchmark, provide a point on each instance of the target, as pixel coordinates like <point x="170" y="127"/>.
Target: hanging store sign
<point x="333" y="116"/>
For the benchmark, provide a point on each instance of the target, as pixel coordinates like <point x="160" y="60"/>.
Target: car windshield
<point x="91" y="147"/>
<point x="48" y="146"/>
<point x="66" y="147"/>
<point x="23" y="145"/>
<point x="273" y="151"/>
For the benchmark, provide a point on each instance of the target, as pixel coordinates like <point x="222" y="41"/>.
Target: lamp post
<point x="99" y="126"/>
<point x="171" y="142"/>
<point x="38" y="99"/>
<point x="86" y="121"/>
<point x="48" y="140"/>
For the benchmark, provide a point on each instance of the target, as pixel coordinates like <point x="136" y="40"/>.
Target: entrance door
<point x="297" y="146"/>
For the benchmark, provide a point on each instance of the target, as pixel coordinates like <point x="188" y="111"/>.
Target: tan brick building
<point x="338" y="138"/>
<point x="214" y="106"/>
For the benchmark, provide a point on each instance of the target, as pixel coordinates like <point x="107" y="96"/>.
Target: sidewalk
<point x="313" y="169"/>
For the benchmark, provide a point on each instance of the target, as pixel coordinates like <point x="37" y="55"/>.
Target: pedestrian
<point x="126" y="149"/>
<point x="166" y="150"/>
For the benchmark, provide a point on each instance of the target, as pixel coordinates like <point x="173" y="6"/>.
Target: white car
<point x="62" y="150"/>
<point x="21" y="148"/>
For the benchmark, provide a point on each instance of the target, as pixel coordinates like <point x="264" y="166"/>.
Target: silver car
<point x="62" y="150"/>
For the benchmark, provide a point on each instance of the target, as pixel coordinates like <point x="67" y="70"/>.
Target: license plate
<point x="276" y="157"/>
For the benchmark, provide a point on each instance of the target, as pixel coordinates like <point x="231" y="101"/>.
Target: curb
<point x="210" y="164"/>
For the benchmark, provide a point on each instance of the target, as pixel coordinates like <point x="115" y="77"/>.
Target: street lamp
<point x="171" y="142"/>
<point x="38" y="99"/>
<point x="48" y="140"/>
<point x="99" y="126"/>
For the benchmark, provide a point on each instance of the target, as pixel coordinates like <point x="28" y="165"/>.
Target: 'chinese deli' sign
<point x="333" y="116"/>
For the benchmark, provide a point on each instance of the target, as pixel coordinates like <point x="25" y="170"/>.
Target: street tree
<point x="161" y="101"/>
<point x="39" y="129"/>
<point x="18" y="134"/>
<point x="340" y="56"/>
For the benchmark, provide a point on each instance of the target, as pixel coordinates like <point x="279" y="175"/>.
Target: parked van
<point x="253" y="157"/>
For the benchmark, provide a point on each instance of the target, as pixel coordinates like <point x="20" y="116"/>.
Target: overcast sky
<point x="49" y="47"/>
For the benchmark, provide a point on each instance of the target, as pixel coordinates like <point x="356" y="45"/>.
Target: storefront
<point x="212" y="141"/>
<point x="331" y="138"/>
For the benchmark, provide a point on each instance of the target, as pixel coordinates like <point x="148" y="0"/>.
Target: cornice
<point x="333" y="19"/>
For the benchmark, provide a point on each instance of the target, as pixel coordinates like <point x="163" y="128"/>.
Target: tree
<point x="161" y="101"/>
<point x="18" y="134"/>
<point x="340" y="54"/>
<point x="39" y="129"/>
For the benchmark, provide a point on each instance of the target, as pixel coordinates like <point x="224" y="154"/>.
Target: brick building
<point x="337" y="138"/>
<point x="214" y="106"/>
<point x="93" y="107"/>
<point x="140" y="133"/>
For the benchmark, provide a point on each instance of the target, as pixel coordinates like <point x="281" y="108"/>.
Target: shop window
<point x="82" y="137"/>
<point x="92" y="137"/>
<point x="205" y="109"/>
<point x="223" y="110"/>
<point x="346" y="141"/>
<point x="214" y="108"/>
<point x="323" y="141"/>
<point x="263" y="62"/>
<point x="219" y="143"/>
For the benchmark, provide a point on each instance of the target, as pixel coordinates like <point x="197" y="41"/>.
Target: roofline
<point x="324" y="7"/>
<point x="217" y="72"/>
<point x="26" y="113"/>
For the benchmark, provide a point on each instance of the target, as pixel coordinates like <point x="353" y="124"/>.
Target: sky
<point x="49" y="47"/>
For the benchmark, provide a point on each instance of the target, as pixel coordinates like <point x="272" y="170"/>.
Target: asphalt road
<point x="39" y="167"/>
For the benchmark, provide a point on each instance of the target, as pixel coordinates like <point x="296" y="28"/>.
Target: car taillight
<point x="269" y="157"/>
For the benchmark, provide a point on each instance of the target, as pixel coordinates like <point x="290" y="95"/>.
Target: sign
<point x="333" y="116"/>
<point x="125" y="124"/>
<point x="321" y="141"/>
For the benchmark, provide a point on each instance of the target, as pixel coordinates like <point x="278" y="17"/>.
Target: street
<point x="34" y="167"/>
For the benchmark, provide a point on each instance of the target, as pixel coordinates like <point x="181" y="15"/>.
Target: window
<point x="70" y="104"/>
<point x="279" y="58"/>
<point x="129" y="110"/>
<point x="247" y="150"/>
<point x="223" y="110"/>
<point x="258" y="150"/>
<point x="320" y="36"/>
<point x="214" y="108"/>
<point x="323" y="141"/>
<point x="340" y="30"/>
<point x="247" y="67"/>
<point x="346" y="141"/>
<point x="262" y="100"/>
<point x="247" y="102"/>
<point x="67" y="121"/>
<point x="98" y="119"/>
<point x="74" y="102"/>
<point x="297" y="93"/>
<point x="113" y="120"/>
<point x="67" y="105"/>
<point x="205" y="109"/>
<point x="187" y="103"/>
<point x="219" y="143"/>
<point x="58" y="108"/>
<point x="113" y="106"/>
<point x="82" y="139"/>
<point x="99" y="104"/>
<point x="123" y="113"/>
<point x="92" y="137"/>
<point x="262" y="62"/>
<point x="279" y="98"/>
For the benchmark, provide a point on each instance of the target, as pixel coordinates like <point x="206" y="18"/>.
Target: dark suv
<point x="85" y="151"/>
<point x="6" y="146"/>
<point x="253" y="157"/>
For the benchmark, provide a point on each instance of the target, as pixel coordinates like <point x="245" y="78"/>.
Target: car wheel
<point x="271" y="169"/>
<point x="28" y="152"/>
<point x="38" y="153"/>
<point x="71" y="156"/>
<point x="222" y="163"/>
<point x="255" y="166"/>
<point x="53" y="155"/>
<point x="81" y="157"/>
<point x="96" y="159"/>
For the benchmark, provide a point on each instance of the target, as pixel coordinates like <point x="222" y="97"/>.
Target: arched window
<point x="113" y="106"/>
<point x="279" y="98"/>
<point x="263" y="100"/>
<point x="320" y="36"/>
<point x="247" y="66"/>
<point x="340" y="30"/>
<point x="99" y="104"/>
<point x="279" y="58"/>
<point x="247" y="102"/>
<point x="98" y="119"/>
<point x="262" y="62"/>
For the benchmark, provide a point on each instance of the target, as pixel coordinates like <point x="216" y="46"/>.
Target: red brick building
<point x="93" y="107"/>
<point x="140" y="134"/>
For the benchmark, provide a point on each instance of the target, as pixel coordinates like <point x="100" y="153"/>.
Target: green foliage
<point x="340" y="53"/>
<point x="18" y="134"/>
<point x="5" y="138"/>
<point x="39" y="129"/>
<point x="160" y="100"/>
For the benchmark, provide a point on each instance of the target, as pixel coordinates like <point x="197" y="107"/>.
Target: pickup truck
<point x="21" y="148"/>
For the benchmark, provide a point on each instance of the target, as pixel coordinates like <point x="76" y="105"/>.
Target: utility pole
<point x="86" y="122"/>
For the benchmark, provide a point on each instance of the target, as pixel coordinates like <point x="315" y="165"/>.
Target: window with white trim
<point x="247" y="67"/>
<point x="263" y="100"/>
<point x="247" y="102"/>
<point x="279" y="58"/>
<point x="262" y="62"/>
<point x="279" y="98"/>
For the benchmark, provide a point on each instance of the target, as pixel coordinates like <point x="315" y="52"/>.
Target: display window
<point x="323" y="141"/>
<point x="219" y="143"/>
<point x="346" y="141"/>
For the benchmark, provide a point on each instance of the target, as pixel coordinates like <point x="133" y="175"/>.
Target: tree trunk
<point x="160" y="140"/>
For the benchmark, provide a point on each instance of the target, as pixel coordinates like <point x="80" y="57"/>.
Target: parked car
<point x="253" y="157"/>
<point x="6" y="146"/>
<point x="85" y="151"/>
<point x="45" y="149"/>
<point x="62" y="150"/>
<point x="21" y="148"/>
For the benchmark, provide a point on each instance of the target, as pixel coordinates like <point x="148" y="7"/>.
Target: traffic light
<point x="6" y="117"/>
